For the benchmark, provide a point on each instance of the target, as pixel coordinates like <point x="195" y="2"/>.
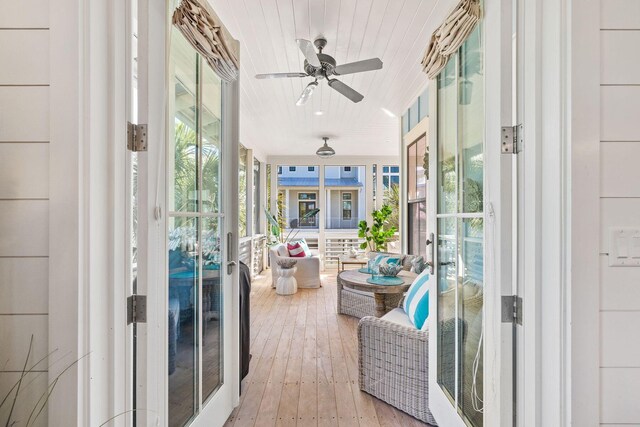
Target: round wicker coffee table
<point x="385" y="296"/>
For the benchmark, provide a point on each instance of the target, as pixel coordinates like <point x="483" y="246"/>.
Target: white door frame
<point x="497" y="348"/>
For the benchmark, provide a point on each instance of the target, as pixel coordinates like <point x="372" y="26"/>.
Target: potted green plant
<point x="379" y="233"/>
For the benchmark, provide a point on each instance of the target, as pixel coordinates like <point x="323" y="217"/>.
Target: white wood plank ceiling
<point x="396" y="31"/>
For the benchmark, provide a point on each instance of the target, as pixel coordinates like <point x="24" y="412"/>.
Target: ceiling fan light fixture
<point x="325" y="151"/>
<point x="306" y="93"/>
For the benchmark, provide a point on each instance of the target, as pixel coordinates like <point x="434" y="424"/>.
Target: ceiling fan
<point x="322" y="66"/>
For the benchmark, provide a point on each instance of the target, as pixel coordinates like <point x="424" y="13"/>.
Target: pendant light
<point x="325" y="151"/>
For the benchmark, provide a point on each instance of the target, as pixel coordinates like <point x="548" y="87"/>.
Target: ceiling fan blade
<point x="309" y="52"/>
<point x="345" y="90"/>
<point x="358" y="66"/>
<point x="279" y="75"/>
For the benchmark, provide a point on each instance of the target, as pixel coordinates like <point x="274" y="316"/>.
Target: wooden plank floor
<point x="304" y="366"/>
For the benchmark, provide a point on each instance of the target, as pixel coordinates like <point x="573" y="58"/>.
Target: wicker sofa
<point x="308" y="268"/>
<point x="359" y="303"/>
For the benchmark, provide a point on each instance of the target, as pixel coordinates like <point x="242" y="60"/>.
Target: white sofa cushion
<point x="398" y="316"/>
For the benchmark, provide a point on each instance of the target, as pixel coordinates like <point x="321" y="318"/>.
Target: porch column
<point x="322" y="206"/>
<point x="368" y="197"/>
<point x="328" y="222"/>
<point x="262" y="218"/>
<point x="287" y="208"/>
<point x="379" y="186"/>
<point x="250" y="183"/>
<point x="273" y="207"/>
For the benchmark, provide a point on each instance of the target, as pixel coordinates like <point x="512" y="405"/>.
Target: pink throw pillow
<point x="296" y="250"/>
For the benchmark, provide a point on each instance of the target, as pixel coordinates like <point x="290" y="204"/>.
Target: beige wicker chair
<point x="393" y="361"/>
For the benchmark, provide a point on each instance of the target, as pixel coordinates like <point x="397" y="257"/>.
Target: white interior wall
<point x="24" y="198"/>
<point x="619" y="207"/>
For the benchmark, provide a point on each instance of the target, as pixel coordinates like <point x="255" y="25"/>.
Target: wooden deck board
<point x="304" y="367"/>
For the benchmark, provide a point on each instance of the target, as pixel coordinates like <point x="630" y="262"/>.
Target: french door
<point x="459" y="230"/>
<point x="304" y="208"/>
<point x="184" y="358"/>
<point x="471" y="216"/>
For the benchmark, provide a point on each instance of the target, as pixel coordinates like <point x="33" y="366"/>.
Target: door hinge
<point x="136" y="137"/>
<point x="136" y="309"/>
<point x="512" y="309"/>
<point x="512" y="139"/>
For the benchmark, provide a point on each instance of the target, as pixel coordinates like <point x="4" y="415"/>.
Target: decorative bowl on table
<point x="287" y="263"/>
<point x="390" y="270"/>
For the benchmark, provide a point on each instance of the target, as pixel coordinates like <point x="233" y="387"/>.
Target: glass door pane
<point x="447" y="140"/>
<point x="211" y="303"/>
<point x="183" y="233"/>
<point x="212" y="249"/>
<point x="183" y="328"/>
<point x="470" y="303"/>
<point x="447" y="315"/>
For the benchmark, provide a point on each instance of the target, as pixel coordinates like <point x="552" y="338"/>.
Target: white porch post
<point x="262" y="200"/>
<point x="321" y="206"/>
<point x="249" y="210"/>
<point x="250" y="183"/>
<point x="369" y="190"/>
<point x="328" y="223"/>
<point x="287" y="208"/>
<point x="274" y="189"/>
<point x="379" y="186"/>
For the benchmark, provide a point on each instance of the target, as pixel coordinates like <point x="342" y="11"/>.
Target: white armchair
<point x="308" y="268"/>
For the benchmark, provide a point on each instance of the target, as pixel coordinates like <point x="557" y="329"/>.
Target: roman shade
<point x="203" y="29"/>
<point x="449" y="36"/>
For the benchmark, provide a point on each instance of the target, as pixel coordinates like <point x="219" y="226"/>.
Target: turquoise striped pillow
<point x="416" y="301"/>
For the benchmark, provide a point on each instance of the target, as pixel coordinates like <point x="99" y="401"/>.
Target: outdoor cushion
<point x="296" y="250"/>
<point x="398" y="316"/>
<point x="416" y="302"/>
<point x="305" y="246"/>
<point x="418" y="265"/>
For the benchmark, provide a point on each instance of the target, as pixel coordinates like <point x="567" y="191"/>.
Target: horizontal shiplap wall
<point x="620" y="207"/>
<point x="24" y="203"/>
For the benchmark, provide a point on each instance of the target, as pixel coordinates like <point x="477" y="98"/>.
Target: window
<point x="417" y="196"/>
<point x="347" y="168"/>
<point x="346" y="206"/>
<point x="292" y="168"/>
<point x="311" y="169"/>
<point x="307" y="196"/>
<point x="279" y="170"/>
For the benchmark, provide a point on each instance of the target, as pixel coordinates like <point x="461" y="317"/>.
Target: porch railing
<point x="336" y="246"/>
<point x="251" y="251"/>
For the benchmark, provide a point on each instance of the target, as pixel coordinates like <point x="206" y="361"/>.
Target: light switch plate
<point x="624" y="247"/>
